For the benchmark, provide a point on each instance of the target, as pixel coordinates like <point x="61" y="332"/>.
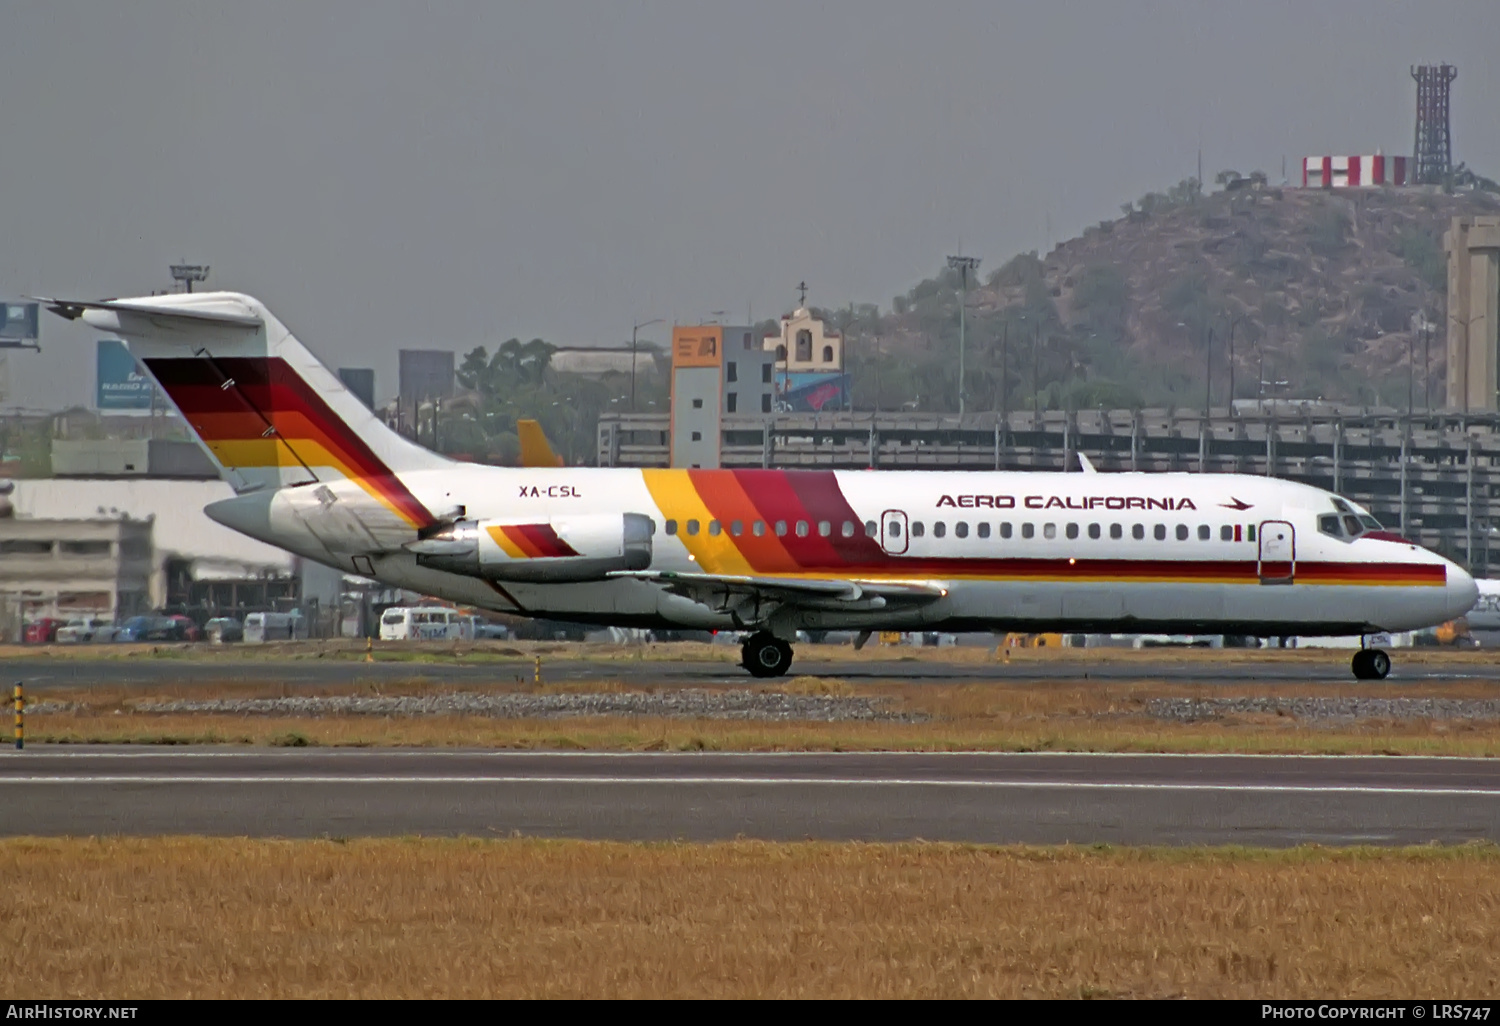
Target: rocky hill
<point x="1326" y="293"/>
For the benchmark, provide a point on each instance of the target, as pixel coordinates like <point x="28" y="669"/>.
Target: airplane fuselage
<point x="1178" y="553"/>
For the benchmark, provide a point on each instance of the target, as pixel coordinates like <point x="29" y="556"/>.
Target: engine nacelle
<point x="556" y="550"/>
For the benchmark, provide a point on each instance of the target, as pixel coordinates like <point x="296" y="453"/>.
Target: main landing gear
<point x="1371" y="664"/>
<point x="765" y="655"/>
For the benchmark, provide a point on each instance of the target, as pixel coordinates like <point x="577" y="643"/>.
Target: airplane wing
<point x="752" y="598"/>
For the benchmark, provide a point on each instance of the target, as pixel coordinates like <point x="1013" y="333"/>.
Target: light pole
<point x="633" y="329"/>
<point x="963" y="265"/>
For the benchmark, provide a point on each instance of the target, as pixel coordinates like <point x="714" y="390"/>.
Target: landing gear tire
<point x="1371" y="664"/>
<point x="765" y="655"/>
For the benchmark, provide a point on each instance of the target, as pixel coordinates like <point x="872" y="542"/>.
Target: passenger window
<point x="1137" y="531"/>
<point x="1005" y="529"/>
<point x="824" y="528"/>
<point x="1116" y="532"/>
<point x="1250" y="532"/>
<point x="939" y="529"/>
<point x="870" y="529"/>
<point x="983" y="529"/>
<point x="848" y="531"/>
<point x="714" y="528"/>
<point x="1072" y="531"/>
<point x="1226" y="533"/>
<point x="1161" y="532"/>
<point x="1094" y="531"/>
<point x="802" y="529"/>
<point x="671" y="527"/>
<point x="737" y="528"/>
<point x="1204" y="534"/>
<point x="1028" y="530"/>
<point x="692" y="527"/>
<point x="781" y="528"/>
<point x="894" y="528"/>
<point x="1182" y="532"/>
<point x="758" y="528"/>
<point x="917" y="530"/>
<point x="961" y="529"/>
<point x="1049" y="531"/>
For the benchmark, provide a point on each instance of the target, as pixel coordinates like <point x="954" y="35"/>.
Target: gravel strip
<point x="714" y="705"/>
<point x="1341" y="710"/>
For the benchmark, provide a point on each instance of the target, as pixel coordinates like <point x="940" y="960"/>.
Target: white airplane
<point x="766" y="551"/>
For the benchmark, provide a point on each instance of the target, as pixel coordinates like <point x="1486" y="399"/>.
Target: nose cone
<point x="1462" y="592"/>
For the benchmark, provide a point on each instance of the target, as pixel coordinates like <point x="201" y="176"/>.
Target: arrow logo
<point x="1235" y="504"/>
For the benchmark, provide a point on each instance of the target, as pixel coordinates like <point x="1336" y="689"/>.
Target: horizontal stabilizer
<point x="104" y="313"/>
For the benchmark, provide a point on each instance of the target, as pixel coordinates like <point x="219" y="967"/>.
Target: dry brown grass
<point x="464" y="918"/>
<point x="1056" y="716"/>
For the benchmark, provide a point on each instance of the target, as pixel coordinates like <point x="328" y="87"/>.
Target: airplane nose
<point x="1462" y="592"/>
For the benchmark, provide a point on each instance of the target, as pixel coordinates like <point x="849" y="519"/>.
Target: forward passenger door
<point x="1278" y="553"/>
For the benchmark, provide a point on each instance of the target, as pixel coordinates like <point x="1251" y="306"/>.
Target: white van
<point x="260" y="627"/>
<point x="425" y="623"/>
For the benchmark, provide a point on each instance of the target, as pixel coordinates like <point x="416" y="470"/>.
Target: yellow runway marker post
<point x="20" y="718"/>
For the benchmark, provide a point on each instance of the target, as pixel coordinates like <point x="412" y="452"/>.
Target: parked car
<point x="222" y="630"/>
<point x="85" y="630"/>
<point x="185" y="625"/>
<point x="42" y="631"/>
<point x="150" y="628"/>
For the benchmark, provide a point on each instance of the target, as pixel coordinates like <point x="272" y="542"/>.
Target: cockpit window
<point x="1352" y="525"/>
<point x="1329" y="525"/>
<point x="1341" y="506"/>
<point x="1370" y="522"/>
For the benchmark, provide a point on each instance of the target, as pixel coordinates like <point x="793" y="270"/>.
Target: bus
<point x="425" y="623"/>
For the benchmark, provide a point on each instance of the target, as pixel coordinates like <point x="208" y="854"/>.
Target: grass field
<point x="1062" y="715"/>
<point x="188" y="917"/>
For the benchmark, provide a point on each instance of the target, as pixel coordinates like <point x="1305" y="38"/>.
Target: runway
<point x="44" y="673"/>
<point x="973" y="797"/>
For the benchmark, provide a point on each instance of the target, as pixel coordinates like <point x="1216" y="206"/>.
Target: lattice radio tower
<point x="1434" y="149"/>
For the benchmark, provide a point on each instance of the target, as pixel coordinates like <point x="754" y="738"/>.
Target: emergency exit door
<point x="1278" y="552"/>
<point x="893" y="531"/>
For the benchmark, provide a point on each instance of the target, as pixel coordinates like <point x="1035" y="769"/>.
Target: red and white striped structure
<point x="1352" y="172"/>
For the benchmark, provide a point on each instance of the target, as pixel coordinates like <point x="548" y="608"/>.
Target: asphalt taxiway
<point x="47" y="673"/>
<point x="973" y="797"/>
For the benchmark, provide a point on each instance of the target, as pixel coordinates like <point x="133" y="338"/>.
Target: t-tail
<point x="267" y="412"/>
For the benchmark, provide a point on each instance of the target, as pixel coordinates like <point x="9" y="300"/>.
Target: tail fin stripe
<point x="268" y="389"/>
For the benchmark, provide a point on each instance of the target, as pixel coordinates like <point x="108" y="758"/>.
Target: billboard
<point x="360" y="381"/>
<point x="19" y="324"/>
<point x="808" y="392"/>
<point x="426" y="374"/>
<point x="119" y="383"/>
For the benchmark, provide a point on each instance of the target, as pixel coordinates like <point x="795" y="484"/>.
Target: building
<point x="1473" y="245"/>
<point x="63" y="568"/>
<point x="809" y="365"/>
<point x="806" y="345"/>
<point x="720" y="374"/>
<point x="360" y="381"/>
<point x="1345" y="172"/>
<point x="598" y="362"/>
<point x="191" y="564"/>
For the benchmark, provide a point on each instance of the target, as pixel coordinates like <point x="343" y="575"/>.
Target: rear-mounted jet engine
<point x="556" y="550"/>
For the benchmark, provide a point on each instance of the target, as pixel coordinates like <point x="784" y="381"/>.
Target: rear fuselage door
<point x="1278" y="552"/>
<point x="893" y="530"/>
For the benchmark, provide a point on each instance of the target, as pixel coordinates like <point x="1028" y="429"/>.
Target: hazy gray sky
<point x="390" y="175"/>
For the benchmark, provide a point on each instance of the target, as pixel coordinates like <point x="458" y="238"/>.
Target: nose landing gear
<point x="1371" y="664"/>
<point x="765" y="655"/>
